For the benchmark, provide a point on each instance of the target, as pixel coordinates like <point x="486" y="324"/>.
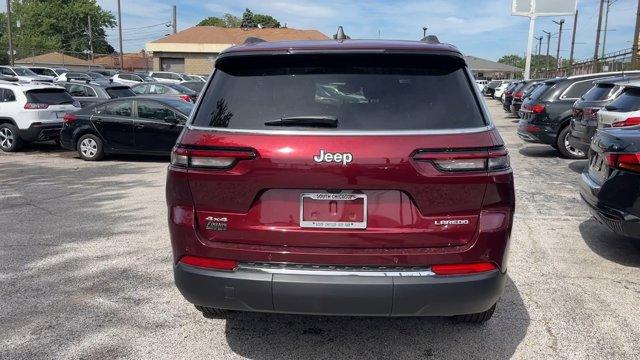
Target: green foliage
<point x="227" y="21"/>
<point x="267" y="21"/>
<point x="539" y="63"/>
<point x="248" y="20"/>
<point x="58" y="25"/>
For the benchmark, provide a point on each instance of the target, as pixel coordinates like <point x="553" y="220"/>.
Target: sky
<point x="481" y="28"/>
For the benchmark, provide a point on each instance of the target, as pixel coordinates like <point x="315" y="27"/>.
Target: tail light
<point x="632" y="121"/>
<point x="537" y="108"/>
<point x="186" y="98"/>
<point x="212" y="159"/>
<point x="69" y="118"/>
<point x="475" y="160"/>
<point x="518" y="95"/>
<point x="35" y="106"/>
<point x="623" y="161"/>
<point x="209" y="263"/>
<point x="463" y="269"/>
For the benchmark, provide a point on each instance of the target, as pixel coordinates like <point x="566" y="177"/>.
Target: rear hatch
<point x="337" y="150"/>
<point x="621" y="109"/>
<point x="585" y="110"/>
<point x="50" y="104"/>
<point x="614" y="149"/>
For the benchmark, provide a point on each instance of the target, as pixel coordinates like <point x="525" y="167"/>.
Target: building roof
<point x="53" y="58"/>
<point x="479" y="64"/>
<point x="139" y="60"/>
<point x="220" y="35"/>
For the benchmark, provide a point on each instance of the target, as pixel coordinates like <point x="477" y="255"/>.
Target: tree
<point x="58" y="25"/>
<point x="227" y="21"/>
<point x="248" y="20"/>
<point x="266" y="21"/>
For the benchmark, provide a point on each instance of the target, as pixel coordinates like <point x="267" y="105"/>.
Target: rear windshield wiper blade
<point x="311" y="121"/>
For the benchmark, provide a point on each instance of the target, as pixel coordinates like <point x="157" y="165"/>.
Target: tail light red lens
<point x="518" y="95"/>
<point x="478" y="160"/>
<point x="211" y="158"/>
<point x="35" y="106"/>
<point x="624" y="161"/>
<point x="537" y="108"/>
<point x="69" y="118"/>
<point x="463" y="269"/>
<point x="632" y="121"/>
<point x="186" y="98"/>
<point x="209" y="263"/>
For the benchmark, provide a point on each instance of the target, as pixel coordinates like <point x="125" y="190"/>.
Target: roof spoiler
<point x="430" y="39"/>
<point x="254" y="40"/>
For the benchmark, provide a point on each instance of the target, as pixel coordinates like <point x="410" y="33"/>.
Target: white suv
<point x="32" y="112"/>
<point x="167" y="77"/>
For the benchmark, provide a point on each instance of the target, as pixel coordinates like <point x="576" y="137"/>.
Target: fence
<point x="621" y="60"/>
<point x="73" y="60"/>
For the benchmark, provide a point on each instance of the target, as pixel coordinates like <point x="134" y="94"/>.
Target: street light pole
<point x="548" y="44"/>
<point x="573" y="39"/>
<point x="120" y="36"/>
<point x="561" y="22"/>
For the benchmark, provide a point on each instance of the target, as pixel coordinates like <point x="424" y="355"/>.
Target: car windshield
<point x="363" y="92"/>
<point x="540" y="90"/>
<point x="24" y="72"/>
<point x="180" y="105"/>
<point x="146" y="77"/>
<point x="599" y="92"/>
<point x="180" y="88"/>
<point x="628" y="101"/>
<point x="119" y="91"/>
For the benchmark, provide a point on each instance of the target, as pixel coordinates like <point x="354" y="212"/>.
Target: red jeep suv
<point x="341" y="178"/>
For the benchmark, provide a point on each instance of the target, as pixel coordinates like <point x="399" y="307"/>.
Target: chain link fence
<point x="621" y="60"/>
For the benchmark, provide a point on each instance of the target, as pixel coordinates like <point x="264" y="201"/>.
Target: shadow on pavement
<point x="611" y="246"/>
<point x="70" y="286"/>
<point x="274" y="336"/>
<point x="541" y="151"/>
<point x="578" y="166"/>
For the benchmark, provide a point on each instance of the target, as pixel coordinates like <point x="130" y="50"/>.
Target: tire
<point x="10" y="140"/>
<point x="566" y="150"/>
<point x="90" y="147"/>
<point x="477" y="318"/>
<point x="210" y="312"/>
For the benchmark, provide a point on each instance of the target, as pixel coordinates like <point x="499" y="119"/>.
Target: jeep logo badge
<point x="343" y="158"/>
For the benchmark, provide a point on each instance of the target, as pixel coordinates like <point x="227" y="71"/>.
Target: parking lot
<point x="85" y="272"/>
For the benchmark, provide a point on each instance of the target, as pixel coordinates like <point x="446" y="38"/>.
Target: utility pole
<point x="174" y="23"/>
<point x="539" y="38"/>
<point x="573" y="40"/>
<point x="9" y="32"/>
<point x="636" y="39"/>
<point x="548" y="44"/>
<point x="90" y="37"/>
<point x="595" y="52"/>
<point x="561" y="22"/>
<point x="120" y="36"/>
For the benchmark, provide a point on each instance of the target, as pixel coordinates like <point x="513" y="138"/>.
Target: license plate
<point x="333" y="211"/>
<point x="597" y="167"/>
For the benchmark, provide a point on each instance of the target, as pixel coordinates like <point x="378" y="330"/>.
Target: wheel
<point x="90" y="147"/>
<point x="210" y="312"/>
<point x="9" y="138"/>
<point x="477" y="318"/>
<point x="565" y="149"/>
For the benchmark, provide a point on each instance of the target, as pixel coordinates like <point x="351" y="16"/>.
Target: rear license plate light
<point x="333" y="211"/>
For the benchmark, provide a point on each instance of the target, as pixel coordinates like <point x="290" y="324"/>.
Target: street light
<point x="424" y="31"/>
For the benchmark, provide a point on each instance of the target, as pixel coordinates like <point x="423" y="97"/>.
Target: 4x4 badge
<point x="216" y="224"/>
<point x="344" y="158"/>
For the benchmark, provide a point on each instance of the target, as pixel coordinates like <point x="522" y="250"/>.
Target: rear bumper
<point x="534" y="133"/>
<point x="41" y="132"/>
<point x="327" y="294"/>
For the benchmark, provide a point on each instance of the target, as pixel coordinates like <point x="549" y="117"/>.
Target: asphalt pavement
<point x="85" y="272"/>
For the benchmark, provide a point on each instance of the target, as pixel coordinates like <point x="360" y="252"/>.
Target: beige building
<point x="195" y="49"/>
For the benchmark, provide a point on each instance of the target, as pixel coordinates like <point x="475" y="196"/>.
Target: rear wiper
<point x="311" y="121"/>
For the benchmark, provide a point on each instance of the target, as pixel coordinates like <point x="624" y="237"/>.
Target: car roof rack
<point x="254" y="40"/>
<point x="430" y="39"/>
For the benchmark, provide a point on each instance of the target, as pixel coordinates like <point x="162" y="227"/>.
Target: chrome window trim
<point x="346" y="132"/>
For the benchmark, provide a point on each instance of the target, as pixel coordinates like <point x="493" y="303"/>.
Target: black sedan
<point x="139" y="125"/>
<point x="611" y="183"/>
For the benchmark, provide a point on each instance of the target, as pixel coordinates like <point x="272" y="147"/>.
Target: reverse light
<point x="211" y="158"/>
<point x="623" y="161"/>
<point x="632" y="121"/>
<point x="473" y="160"/>
<point x="69" y="118"/>
<point x="209" y="263"/>
<point x="35" y="106"/>
<point x="463" y="269"/>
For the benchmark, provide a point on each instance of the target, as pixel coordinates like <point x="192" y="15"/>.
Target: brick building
<point x="194" y="50"/>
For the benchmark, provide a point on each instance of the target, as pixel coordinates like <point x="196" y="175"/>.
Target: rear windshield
<point x="49" y="96"/>
<point x="539" y="91"/>
<point x="629" y="100"/>
<point x="180" y="88"/>
<point x="599" y="92"/>
<point x="117" y="92"/>
<point x="372" y="92"/>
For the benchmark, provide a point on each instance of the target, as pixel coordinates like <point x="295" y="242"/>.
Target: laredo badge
<point x="217" y="224"/>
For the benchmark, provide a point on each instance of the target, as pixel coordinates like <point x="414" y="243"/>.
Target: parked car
<point x="106" y="72"/>
<point x="166" y="90"/>
<point x="195" y="85"/>
<point x="547" y="114"/>
<point x="481" y="84"/>
<point x="23" y="74"/>
<point x="73" y="75"/>
<point x="520" y="95"/>
<point x="499" y="91"/>
<point x="51" y="72"/>
<point x="490" y="88"/>
<point x="136" y="125"/>
<point x="168" y="77"/>
<point x="610" y="185"/>
<point x="89" y="93"/>
<point x="277" y="201"/>
<point x="584" y="120"/>
<point x="508" y="94"/>
<point x="202" y="78"/>
<point x="623" y="110"/>
<point x="31" y="112"/>
<point x="131" y="78"/>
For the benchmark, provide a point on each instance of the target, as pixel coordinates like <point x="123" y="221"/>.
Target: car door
<point x="156" y="126"/>
<point x="114" y="122"/>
